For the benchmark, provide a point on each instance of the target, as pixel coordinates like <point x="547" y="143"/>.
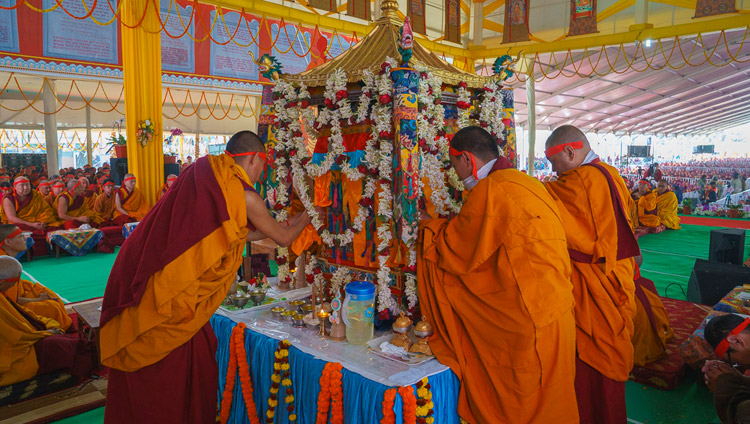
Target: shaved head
<point x="477" y="141"/>
<point x="72" y="184"/>
<point x="6" y="230"/>
<point x="245" y="141"/>
<point x="566" y="148"/>
<point x="9" y="268"/>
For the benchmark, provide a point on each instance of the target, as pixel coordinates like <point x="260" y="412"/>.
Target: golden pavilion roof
<point x="372" y="50"/>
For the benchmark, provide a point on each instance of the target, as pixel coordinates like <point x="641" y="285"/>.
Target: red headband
<point x="128" y="179"/>
<point x="58" y="184"/>
<point x="647" y="182"/>
<point x="76" y="185"/>
<point x="108" y="183"/>
<point x="261" y="155"/>
<point x="172" y="179"/>
<point x="44" y="184"/>
<point x="21" y="182"/>
<point x="11" y="235"/>
<point x="560" y="147"/>
<point x="723" y="346"/>
<point x="454" y="152"/>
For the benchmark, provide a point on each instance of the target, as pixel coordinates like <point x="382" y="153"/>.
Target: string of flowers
<point x="238" y="359"/>
<point x="424" y="402"/>
<point x="281" y="378"/>
<point x="491" y="110"/>
<point x="331" y="393"/>
<point x="409" y="407"/>
<point x="284" y="97"/>
<point x="340" y="278"/>
<point x="463" y="104"/>
<point x="383" y="158"/>
<point x="313" y="273"/>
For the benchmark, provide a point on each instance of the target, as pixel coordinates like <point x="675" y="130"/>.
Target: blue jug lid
<point x="360" y="288"/>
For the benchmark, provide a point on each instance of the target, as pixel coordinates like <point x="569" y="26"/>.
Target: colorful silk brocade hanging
<point x="582" y="17"/>
<point x="516" y="21"/>
<point x="406" y="88"/>
<point x="510" y="126"/>
<point x="714" y="7"/>
<point x="417" y="16"/>
<point x="452" y="21"/>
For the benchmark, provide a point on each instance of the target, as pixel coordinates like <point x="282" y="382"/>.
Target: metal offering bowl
<point x="298" y="320"/>
<point x="243" y="285"/>
<point x="257" y="296"/>
<point x="294" y="305"/>
<point x="277" y="311"/>
<point x="422" y="334"/>
<point x="288" y="315"/>
<point x="239" y="301"/>
<point x="306" y="309"/>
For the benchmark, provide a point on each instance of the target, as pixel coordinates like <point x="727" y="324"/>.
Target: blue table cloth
<point x="363" y="398"/>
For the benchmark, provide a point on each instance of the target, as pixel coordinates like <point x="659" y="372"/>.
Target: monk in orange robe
<point x="593" y="201"/>
<point x="34" y="296"/>
<point x="130" y="205"/>
<point x="44" y="188"/>
<point x="88" y="194"/>
<point x="31" y="344"/>
<point x="57" y="188"/>
<point x="72" y="208"/>
<point x="495" y="282"/>
<point x="647" y="214"/>
<point x="104" y="207"/>
<point x="666" y="206"/>
<point x="167" y="282"/>
<point x="171" y="178"/>
<point x="651" y="323"/>
<point x="27" y="209"/>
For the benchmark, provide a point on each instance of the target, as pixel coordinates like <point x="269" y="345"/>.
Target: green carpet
<point x="689" y="403"/>
<point x="95" y="416"/>
<point x="668" y="257"/>
<point x="73" y="278"/>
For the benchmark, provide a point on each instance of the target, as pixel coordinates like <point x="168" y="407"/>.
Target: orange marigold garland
<point x="410" y="404"/>
<point x="330" y="392"/>
<point x="238" y="359"/>
<point x="424" y="403"/>
<point x="389" y="416"/>
<point x="281" y="377"/>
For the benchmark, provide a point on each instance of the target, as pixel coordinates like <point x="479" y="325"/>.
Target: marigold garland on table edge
<point x="281" y="377"/>
<point x="331" y="392"/>
<point x="238" y="359"/>
<point x="409" y="405"/>
<point x="425" y="405"/>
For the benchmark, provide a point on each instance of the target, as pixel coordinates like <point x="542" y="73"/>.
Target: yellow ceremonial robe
<point x="52" y="308"/>
<point x="17" y="338"/>
<point x="180" y="299"/>
<point x="134" y="203"/>
<point x="603" y="288"/>
<point x="105" y="207"/>
<point x="650" y="339"/>
<point x="495" y="282"/>
<point x="82" y="208"/>
<point x="647" y="214"/>
<point x="666" y="208"/>
<point x="37" y="210"/>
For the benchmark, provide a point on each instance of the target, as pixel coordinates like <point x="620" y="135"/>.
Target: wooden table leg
<point x="57" y="251"/>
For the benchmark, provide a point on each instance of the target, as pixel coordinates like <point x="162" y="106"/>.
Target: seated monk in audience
<point x="5" y="189"/>
<point x="171" y="178"/>
<point x="104" y="207"/>
<point x="88" y="193"/>
<point x="44" y="187"/>
<point x="57" y="188"/>
<point x="648" y="218"/>
<point x="130" y="204"/>
<point x="651" y="322"/>
<point x="27" y="209"/>
<point x="72" y="208"/>
<point x="666" y="206"/>
<point x="31" y="344"/>
<point x="34" y="296"/>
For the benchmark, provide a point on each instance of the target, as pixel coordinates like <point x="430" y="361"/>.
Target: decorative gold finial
<point x="389" y="8"/>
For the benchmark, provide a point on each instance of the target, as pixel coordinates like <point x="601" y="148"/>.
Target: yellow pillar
<point x="141" y="66"/>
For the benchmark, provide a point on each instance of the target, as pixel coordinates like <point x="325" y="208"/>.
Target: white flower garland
<point x="340" y="278"/>
<point x="491" y="109"/>
<point x="463" y="120"/>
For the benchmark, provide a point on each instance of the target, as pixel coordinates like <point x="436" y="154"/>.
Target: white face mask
<point x="470" y="182"/>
